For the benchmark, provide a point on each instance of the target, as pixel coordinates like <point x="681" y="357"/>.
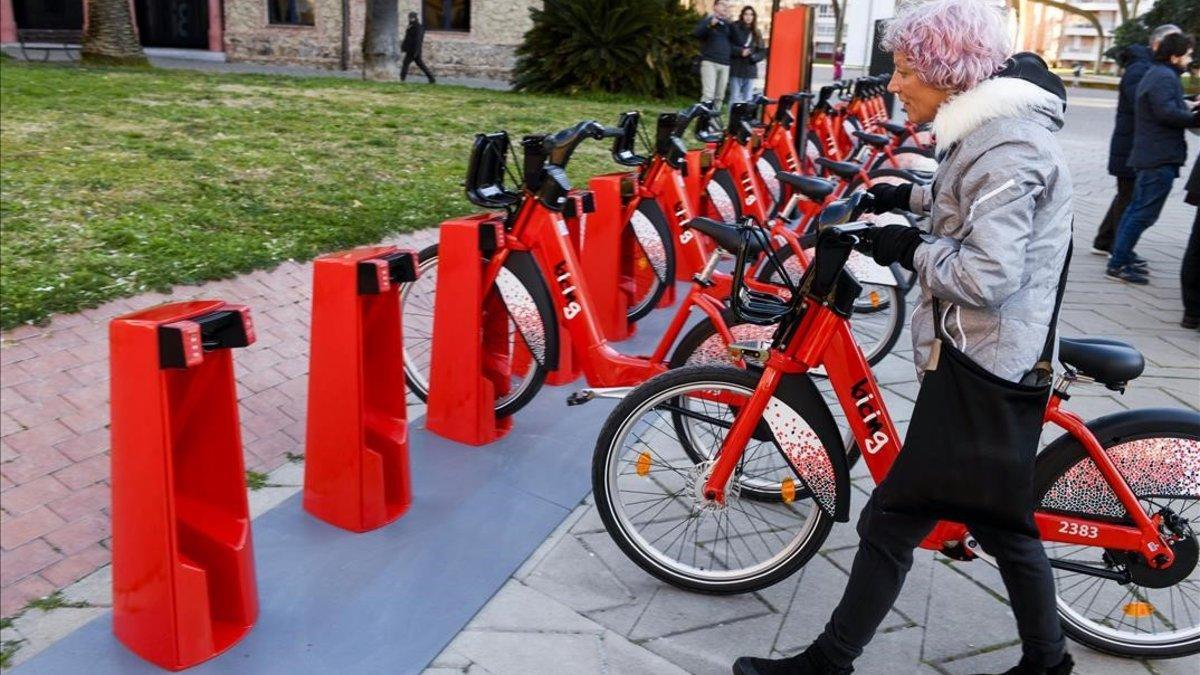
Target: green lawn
<point x="114" y="182"/>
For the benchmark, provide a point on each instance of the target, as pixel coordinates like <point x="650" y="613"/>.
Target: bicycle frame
<point x="544" y="232"/>
<point x="823" y="338"/>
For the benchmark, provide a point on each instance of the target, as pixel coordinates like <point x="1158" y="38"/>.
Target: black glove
<point x="895" y="243"/>
<point x="888" y="197"/>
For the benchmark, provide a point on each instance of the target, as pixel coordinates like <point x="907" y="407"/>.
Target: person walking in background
<point x="1189" y="273"/>
<point x="1159" y="149"/>
<point x="1076" y="73"/>
<point x="414" y="38"/>
<point x="839" y="57"/>
<point x="747" y="52"/>
<point x="716" y="48"/>
<point x="1136" y="60"/>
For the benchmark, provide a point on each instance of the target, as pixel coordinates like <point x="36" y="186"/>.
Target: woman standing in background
<point x="747" y="52"/>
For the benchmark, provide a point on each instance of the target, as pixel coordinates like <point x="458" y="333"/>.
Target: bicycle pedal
<point x="580" y="397"/>
<point x="755" y="351"/>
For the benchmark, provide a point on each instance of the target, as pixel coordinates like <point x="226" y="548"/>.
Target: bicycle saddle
<point x="872" y="139"/>
<point x="725" y="235"/>
<point x="1109" y="362"/>
<point x="816" y="189"/>
<point x="897" y="129"/>
<point x="846" y="170"/>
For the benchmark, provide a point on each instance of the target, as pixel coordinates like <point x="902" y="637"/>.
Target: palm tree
<point x="110" y="37"/>
<point x="381" y="58"/>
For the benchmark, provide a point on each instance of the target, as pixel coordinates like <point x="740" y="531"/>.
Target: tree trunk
<point x="839" y="25"/>
<point x="381" y="56"/>
<point x="1091" y="17"/>
<point x="110" y="38"/>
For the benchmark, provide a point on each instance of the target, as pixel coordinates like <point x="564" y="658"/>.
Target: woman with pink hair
<point x="1000" y="231"/>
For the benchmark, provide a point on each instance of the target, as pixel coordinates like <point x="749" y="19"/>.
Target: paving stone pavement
<point x="580" y="601"/>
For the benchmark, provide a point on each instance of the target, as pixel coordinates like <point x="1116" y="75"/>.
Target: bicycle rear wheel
<point x="1157" y="615"/>
<point x="649" y="490"/>
<point x="417" y="302"/>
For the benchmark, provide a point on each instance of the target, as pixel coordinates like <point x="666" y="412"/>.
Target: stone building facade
<point x="485" y="49"/>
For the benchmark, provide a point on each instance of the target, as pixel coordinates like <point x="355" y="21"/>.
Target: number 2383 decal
<point x="1088" y="531"/>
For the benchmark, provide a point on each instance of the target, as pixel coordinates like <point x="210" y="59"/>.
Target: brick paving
<point x="54" y="441"/>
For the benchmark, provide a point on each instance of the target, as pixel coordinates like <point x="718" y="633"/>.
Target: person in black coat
<point x="747" y="52"/>
<point x="1136" y="60"/>
<point x="1160" y="115"/>
<point x="1189" y="273"/>
<point x="414" y="38"/>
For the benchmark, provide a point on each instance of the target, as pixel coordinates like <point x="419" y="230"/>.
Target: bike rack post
<point x="600" y="255"/>
<point x="183" y="563"/>
<point x="356" y="473"/>
<point x="469" y="351"/>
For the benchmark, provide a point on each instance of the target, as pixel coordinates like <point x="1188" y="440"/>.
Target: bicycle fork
<point x="739" y="435"/>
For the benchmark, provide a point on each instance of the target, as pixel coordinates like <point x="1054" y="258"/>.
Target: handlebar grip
<point x="612" y="132"/>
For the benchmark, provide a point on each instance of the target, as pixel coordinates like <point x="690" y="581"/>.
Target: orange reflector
<point x="642" y="263"/>
<point x="874" y="296"/>
<point x="787" y="490"/>
<point x="643" y="464"/>
<point x="1139" y="609"/>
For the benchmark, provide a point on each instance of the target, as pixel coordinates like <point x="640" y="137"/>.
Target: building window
<point x="290" y="12"/>
<point x="447" y="15"/>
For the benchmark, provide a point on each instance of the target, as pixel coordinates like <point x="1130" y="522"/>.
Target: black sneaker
<point x="1190" y="321"/>
<point x="1100" y="250"/>
<point x="808" y="662"/>
<point x="1064" y="667"/>
<point x="1129" y="274"/>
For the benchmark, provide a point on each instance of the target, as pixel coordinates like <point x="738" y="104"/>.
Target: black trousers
<point x="409" y="59"/>
<point x="885" y="555"/>
<point x="1189" y="272"/>
<point x="1107" y="233"/>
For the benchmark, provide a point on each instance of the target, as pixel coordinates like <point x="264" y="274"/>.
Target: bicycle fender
<point x="1083" y="489"/>
<point x="812" y="445"/>
<point x="647" y="221"/>
<point x="527" y="300"/>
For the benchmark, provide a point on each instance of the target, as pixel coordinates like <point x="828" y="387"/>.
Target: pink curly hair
<point x="951" y="44"/>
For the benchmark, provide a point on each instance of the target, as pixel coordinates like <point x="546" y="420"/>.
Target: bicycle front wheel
<point x="519" y="275"/>
<point x="650" y="490"/>
<point x="648" y="259"/>
<point x="1156" y="614"/>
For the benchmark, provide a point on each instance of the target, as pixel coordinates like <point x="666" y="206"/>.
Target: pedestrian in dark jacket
<point x="1136" y="60"/>
<point x="414" y="38"/>
<point x="1159" y="149"/>
<point x="747" y="52"/>
<point x="1189" y="273"/>
<point x="716" y="48"/>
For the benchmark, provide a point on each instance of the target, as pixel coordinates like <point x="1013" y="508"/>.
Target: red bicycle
<point x="727" y="480"/>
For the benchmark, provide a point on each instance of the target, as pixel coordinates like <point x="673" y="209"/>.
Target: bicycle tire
<point x="1130" y="438"/>
<point x="523" y="267"/>
<point x="616" y="427"/>
<point x="663" y="255"/>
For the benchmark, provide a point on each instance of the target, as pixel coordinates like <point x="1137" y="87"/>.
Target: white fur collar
<point x="997" y="97"/>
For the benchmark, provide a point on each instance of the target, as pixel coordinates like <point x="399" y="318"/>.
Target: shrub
<point x="640" y="47"/>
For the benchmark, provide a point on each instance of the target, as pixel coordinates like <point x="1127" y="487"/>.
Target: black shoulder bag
<point x="970" y="448"/>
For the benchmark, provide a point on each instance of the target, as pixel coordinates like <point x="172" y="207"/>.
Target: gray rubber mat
<point x="388" y="601"/>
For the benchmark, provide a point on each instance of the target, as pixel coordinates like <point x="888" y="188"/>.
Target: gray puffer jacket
<point x="1000" y="214"/>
